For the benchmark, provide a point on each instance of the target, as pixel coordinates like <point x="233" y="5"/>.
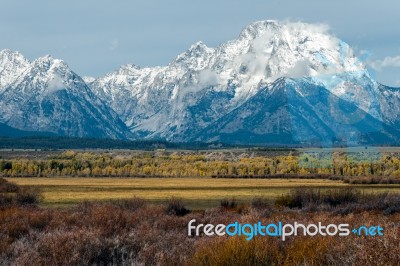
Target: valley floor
<point x="196" y="193"/>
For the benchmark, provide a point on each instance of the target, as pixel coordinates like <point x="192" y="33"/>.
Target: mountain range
<point x="277" y="83"/>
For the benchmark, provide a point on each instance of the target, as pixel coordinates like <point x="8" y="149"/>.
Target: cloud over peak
<point x="388" y="61"/>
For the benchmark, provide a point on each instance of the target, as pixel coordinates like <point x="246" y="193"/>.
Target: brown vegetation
<point x="11" y="194"/>
<point x="135" y="232"/>
<point x="342" y="201"/>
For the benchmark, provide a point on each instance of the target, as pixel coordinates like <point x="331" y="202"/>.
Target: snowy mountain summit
<point x="277" y="83"/>
<point x="203" y="87"/>
<point x="46" y="96"/>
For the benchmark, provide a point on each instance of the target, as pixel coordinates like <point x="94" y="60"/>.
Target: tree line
<point x="151" y="164"/>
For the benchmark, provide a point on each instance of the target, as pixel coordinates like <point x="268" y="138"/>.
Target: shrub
<point x="5" y="200"/>
<point x="288" y="201"/>
<point x="228" y="204"/>
<point x="371" y="180"/>
<point x="304" y="197"/>
<point x="110" y="234"/>
<point x="28" y="196"/>
<point x="307" y="251"/>
<point x="340" y="201"/>
<point x="340" y="196"/>
<point x="176" y="207"/>
<point x="261" y="203"/>
<point x="239" y="251"/>
<point x="8" y="187"/>
<point x="10" y="193"/>
<point x="132" y="204"/>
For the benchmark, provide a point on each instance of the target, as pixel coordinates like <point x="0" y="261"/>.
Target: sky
<point x="95" y="37"/>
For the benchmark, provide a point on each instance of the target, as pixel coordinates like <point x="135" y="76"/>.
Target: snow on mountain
<point x="46" y="96"/>
<point x="277" y="82"/>
<point x="88" y="79"/>
<point x="12" y="65"/>
<point x="293" y="111"/>
<point x="204" y="84"/>
<point x="389" y="99"/>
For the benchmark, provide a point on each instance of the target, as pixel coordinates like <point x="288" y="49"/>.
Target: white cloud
<point x="313" y="29"/>
<point x="397" y="82"/>
<point x="300" y="69"/>
<point x="114" y="45"/>
<point x="55" y="84"/>
<point x="207" y="77"/>
<point x="257" y="59"/>
<point x="386" y="62"/>
<point x="364" y="54"/>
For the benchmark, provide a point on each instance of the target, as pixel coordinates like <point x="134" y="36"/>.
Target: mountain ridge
<point x="203" y="85"/>
<point x="46" y="96"/>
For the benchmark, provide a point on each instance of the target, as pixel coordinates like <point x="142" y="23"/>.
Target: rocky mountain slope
<point x="204" y="86"/>
<point x="46" y="96"/>
<point x="277" y="83"/>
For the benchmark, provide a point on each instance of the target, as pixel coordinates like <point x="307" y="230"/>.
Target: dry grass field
<point x="197" y="193"/>
<point x="135" y="232"/>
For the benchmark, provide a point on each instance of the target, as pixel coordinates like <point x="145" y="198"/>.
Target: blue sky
<point x="95" y="37"/>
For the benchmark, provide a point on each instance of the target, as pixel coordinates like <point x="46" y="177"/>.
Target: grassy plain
<point x="197" y="193"/>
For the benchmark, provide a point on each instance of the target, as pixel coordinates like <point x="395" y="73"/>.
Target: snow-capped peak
<point x="263" y="52"/>
<point x="203" y="88"/>
<point x="197" y="47"/>
<point x="12" y="65"/>
<point x="129" y="69"/>
<point x="255" y="29"/>
<point x="9" y="55"/>
<point x="291" y="49"/>
<point x="49" y="63"/>
<point x="196" y="57"/>
<point x="46" y="95"/>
